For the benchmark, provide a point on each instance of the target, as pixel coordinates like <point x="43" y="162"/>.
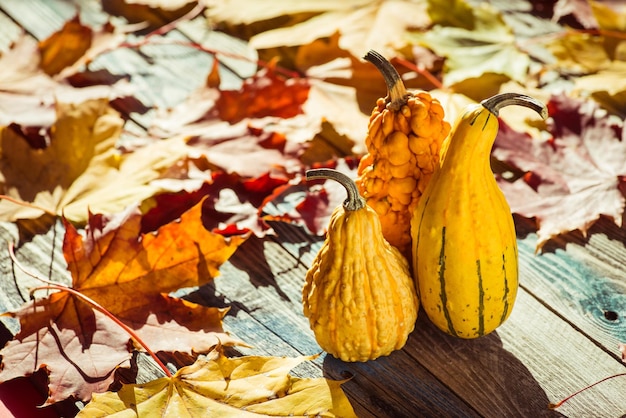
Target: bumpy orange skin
<point x="403" y="149"/>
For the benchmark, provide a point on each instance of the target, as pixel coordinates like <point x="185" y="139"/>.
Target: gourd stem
<point x="397" y="91"/>
<point x="497" y="102"/>
<point x="354" y="200"/>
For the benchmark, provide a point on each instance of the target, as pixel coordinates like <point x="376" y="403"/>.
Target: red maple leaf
<point x="573" y="177"/>
<point x="267" y="93"/>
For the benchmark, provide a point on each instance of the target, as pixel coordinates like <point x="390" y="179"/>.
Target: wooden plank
<point x="582" y="287"/>
<point x="533" y="359"/>
<point x="38" y="18"/>
<point x="39" y="246"/>
<point x="9" y="32"/>
<point x="397" y="386"/>
<point x="238" y="60"/>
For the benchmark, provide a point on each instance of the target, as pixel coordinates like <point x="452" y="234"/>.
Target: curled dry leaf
<point x="248" y="386"/>
<point x="265" y="94"/>
<point x="64" y="47"/>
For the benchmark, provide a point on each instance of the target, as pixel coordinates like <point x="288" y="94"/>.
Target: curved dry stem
<point x="562" y="401"/>
<point x="497" y="102"/>
<point x="95" y="305"/>
<point x="26" y="204"/>
<point x="354" y="200"/>
<point x="24" y="269"/>
<point x="397" y="91"/>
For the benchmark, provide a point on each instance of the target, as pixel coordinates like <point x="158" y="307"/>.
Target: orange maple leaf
<point x="130" y="275"/>
<point x="265" y="94"/>
<point x="65" y="46"/>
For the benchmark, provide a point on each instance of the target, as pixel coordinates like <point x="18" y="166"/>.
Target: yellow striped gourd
<point x="464" y="245"/>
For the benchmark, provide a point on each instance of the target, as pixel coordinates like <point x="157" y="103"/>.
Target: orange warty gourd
<point x="404" y="137"/>
<point x="359" y="296"/>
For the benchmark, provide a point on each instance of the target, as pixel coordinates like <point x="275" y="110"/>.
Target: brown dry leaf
<point x="81" y="169"/>
<point x="609" y="15"/>
<point x="363" y="24"/>
<point x="580" y="9"/>
<point x="130" y="275"/>
<point x="607" y="87"/>
<point x="579" y="53"/>
<point x="249" y="386"/>
<point x="163" y="4"/>
<point x="151" y="13"/>
<point x="334" y="95"/>
<point x="106" y="38"/>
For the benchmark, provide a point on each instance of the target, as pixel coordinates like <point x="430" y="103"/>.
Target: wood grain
<point x="582" y="288"/>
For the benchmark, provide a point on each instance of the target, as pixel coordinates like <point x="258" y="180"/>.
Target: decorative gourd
<point x="359" y="295"/>
<point x="464" y="242"/>
<point x="404" y="136"/>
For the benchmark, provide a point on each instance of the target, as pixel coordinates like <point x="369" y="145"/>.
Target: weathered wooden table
<point x="563" y="334"/>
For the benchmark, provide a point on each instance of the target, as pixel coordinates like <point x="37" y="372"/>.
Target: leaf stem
<point x="95" y="305"/>
<point x="562" y="401"/>
<point x="354" y="200"/>
<point x="26" y="204"/>
<point x="427" y="74"/>
<point x="23" y="268"/>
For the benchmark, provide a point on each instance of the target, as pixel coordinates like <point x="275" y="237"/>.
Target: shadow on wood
<point x="253" y="259"/>
<point x="439" y="375"/>
<point x="490" y="378"/>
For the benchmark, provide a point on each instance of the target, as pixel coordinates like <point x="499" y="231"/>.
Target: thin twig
<point x="422" y="71"/>
<point x="24" y="269"/>
<point x="562" y="401"/>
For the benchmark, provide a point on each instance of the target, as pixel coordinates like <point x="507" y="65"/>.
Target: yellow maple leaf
<point x="215" y="385"/>
<point x="379" y="25"/>
<point x="81" y="169"/>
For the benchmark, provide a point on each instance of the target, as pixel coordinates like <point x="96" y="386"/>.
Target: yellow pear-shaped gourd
<point x="359" y="295"/>
<point x="464" y="244"/>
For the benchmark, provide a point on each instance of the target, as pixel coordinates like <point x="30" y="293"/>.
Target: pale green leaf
<point x="490" y="48"/>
